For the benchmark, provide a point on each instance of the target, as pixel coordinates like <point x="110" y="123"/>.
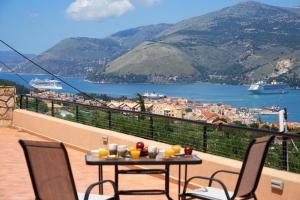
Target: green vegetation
<point x="235" y="45"/>
<point x="227" y="142"/>
<point x="141" y="102"/>
<point x="103" y="97"/>
<point x="36" y="105"/>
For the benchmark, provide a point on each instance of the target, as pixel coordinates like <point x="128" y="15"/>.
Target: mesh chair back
<point x="50" y="170"/>
<point x="252" y="166"/>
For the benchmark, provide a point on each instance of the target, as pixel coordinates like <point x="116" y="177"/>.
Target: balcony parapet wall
<point x="86" y="138"/>
<point x="7" y="104"/>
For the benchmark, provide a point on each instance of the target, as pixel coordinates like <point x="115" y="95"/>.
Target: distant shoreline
<point x="143" y="83"/>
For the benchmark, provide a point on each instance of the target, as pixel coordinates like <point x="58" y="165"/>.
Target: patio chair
<point x="248" y="177"/>
<point x="51" y="175"/>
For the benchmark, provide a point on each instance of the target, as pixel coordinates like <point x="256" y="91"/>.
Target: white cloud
<point x="150" y="2"/>
<point x="98" y="9"/>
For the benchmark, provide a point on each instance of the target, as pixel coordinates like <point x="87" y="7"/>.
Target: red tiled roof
<point x="209" y="115"/>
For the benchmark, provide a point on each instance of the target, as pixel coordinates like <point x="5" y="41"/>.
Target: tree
<point x="238" y="123"/>
<point x="254" y="125"/>
<point x="220" y="119"/>
<point x="141" y="101"/>
<point x="265" y="126"/>
<point x="274" y="128"/>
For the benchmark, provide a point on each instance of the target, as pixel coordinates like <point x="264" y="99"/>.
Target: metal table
<point x="180" y="160"/>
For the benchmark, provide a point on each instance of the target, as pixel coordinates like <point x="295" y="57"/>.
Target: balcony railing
<point x="225" y="140"/>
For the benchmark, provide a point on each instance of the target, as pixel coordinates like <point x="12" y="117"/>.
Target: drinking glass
<point x="113" y="149"/>
<point x="169" y="153"/>
<point x="135" y="154"/>
<point x="105" y="140"/>
<point x="152" y="151"/>
<point x="103" y="153"/>
<point x="176" y="149"/>
<point x="122" y="150"/>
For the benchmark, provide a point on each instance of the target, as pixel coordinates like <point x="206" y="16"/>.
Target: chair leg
<point x="254" y="197"/>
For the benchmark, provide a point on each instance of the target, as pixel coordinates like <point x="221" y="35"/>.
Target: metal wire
<point x="228" y="142"/>
<point x="44" y="69"/>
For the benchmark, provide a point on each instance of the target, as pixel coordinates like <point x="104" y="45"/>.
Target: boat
<point x="274" y="108"/>
<point x="274" y="87"/>
<point x="46" y="84"/>
<point x="153" y="95"/>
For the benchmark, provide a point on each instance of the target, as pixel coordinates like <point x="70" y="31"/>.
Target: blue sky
<point x="33" y="26"/>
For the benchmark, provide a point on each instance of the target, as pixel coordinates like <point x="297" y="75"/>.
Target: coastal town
<point x="177" y="107"/>
<point x="167" y="106"/>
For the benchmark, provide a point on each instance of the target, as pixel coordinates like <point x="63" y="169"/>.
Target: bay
<point x="235" y="95"/>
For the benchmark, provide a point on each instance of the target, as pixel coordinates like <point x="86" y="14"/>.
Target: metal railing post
<point x="204" y="148"/>
<point x="26" y="103"/>
<point x="21" y="102"/>
<point x="36" y="105"/>
<point x="109" y="119"/>
<point x="285" y="162"/>
<point x="77" y="113"/>
<point x="52" y="108"/>
<point x="151" y="128"/>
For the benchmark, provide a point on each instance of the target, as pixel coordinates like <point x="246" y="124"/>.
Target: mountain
<point x="12" y="59"/>
<point x="75" y="56"/>
<point x="133" y="37"/>
<point x="81" y="56"/>
<point x="238" y="44"/>
<point x="150" y="62"/>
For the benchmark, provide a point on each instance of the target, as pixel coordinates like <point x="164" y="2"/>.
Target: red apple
<point x="144" y="151"/>
<point x="188" y="150"/>
<point x="140" y="145"/>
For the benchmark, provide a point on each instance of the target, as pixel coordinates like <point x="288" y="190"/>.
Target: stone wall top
<point x="7" y="104"/>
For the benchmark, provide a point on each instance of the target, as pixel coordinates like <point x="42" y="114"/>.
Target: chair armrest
<point x="221" y="171"/>
<point x="89" y="189"/>
<point x="206" y="178"/>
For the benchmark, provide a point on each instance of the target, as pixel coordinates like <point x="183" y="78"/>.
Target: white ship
<point x="45" y="84"/>
<point x="274" y="87"/>
<point x="153" y="95"/>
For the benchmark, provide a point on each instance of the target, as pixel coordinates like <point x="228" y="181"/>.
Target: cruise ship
<point x="274" y="87"/>
<point x="153" y="95"/>
<point x="45" y="84"/>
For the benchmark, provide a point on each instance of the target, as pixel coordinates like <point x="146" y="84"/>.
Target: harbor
<point x="234" y="95"/>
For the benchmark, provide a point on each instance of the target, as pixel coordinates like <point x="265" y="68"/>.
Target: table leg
<point x="117" y="177"/>
<point x="179" y="181"/>
<point x="185" y="173"/>
<point x="100" y="172"/>
<point x="167" y="182"/>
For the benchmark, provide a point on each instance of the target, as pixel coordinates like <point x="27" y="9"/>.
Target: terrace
<point x="220" y="147"/>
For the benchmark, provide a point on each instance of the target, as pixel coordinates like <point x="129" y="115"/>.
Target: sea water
<point x="234" y="95"/>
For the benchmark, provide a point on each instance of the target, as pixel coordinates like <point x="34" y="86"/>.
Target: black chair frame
<point x="211" y="179"/>
<point x="88" y="190"/>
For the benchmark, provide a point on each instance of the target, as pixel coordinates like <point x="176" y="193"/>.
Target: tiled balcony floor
<point x="15" y="182"/>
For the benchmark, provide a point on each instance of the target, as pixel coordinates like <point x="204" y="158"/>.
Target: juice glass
<point x="135" y="154"/>
<point x="131" y="149"/>
<point x="176" y="149"/>
<point x="103" y="153"/>
<point x="169" y="153"/>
